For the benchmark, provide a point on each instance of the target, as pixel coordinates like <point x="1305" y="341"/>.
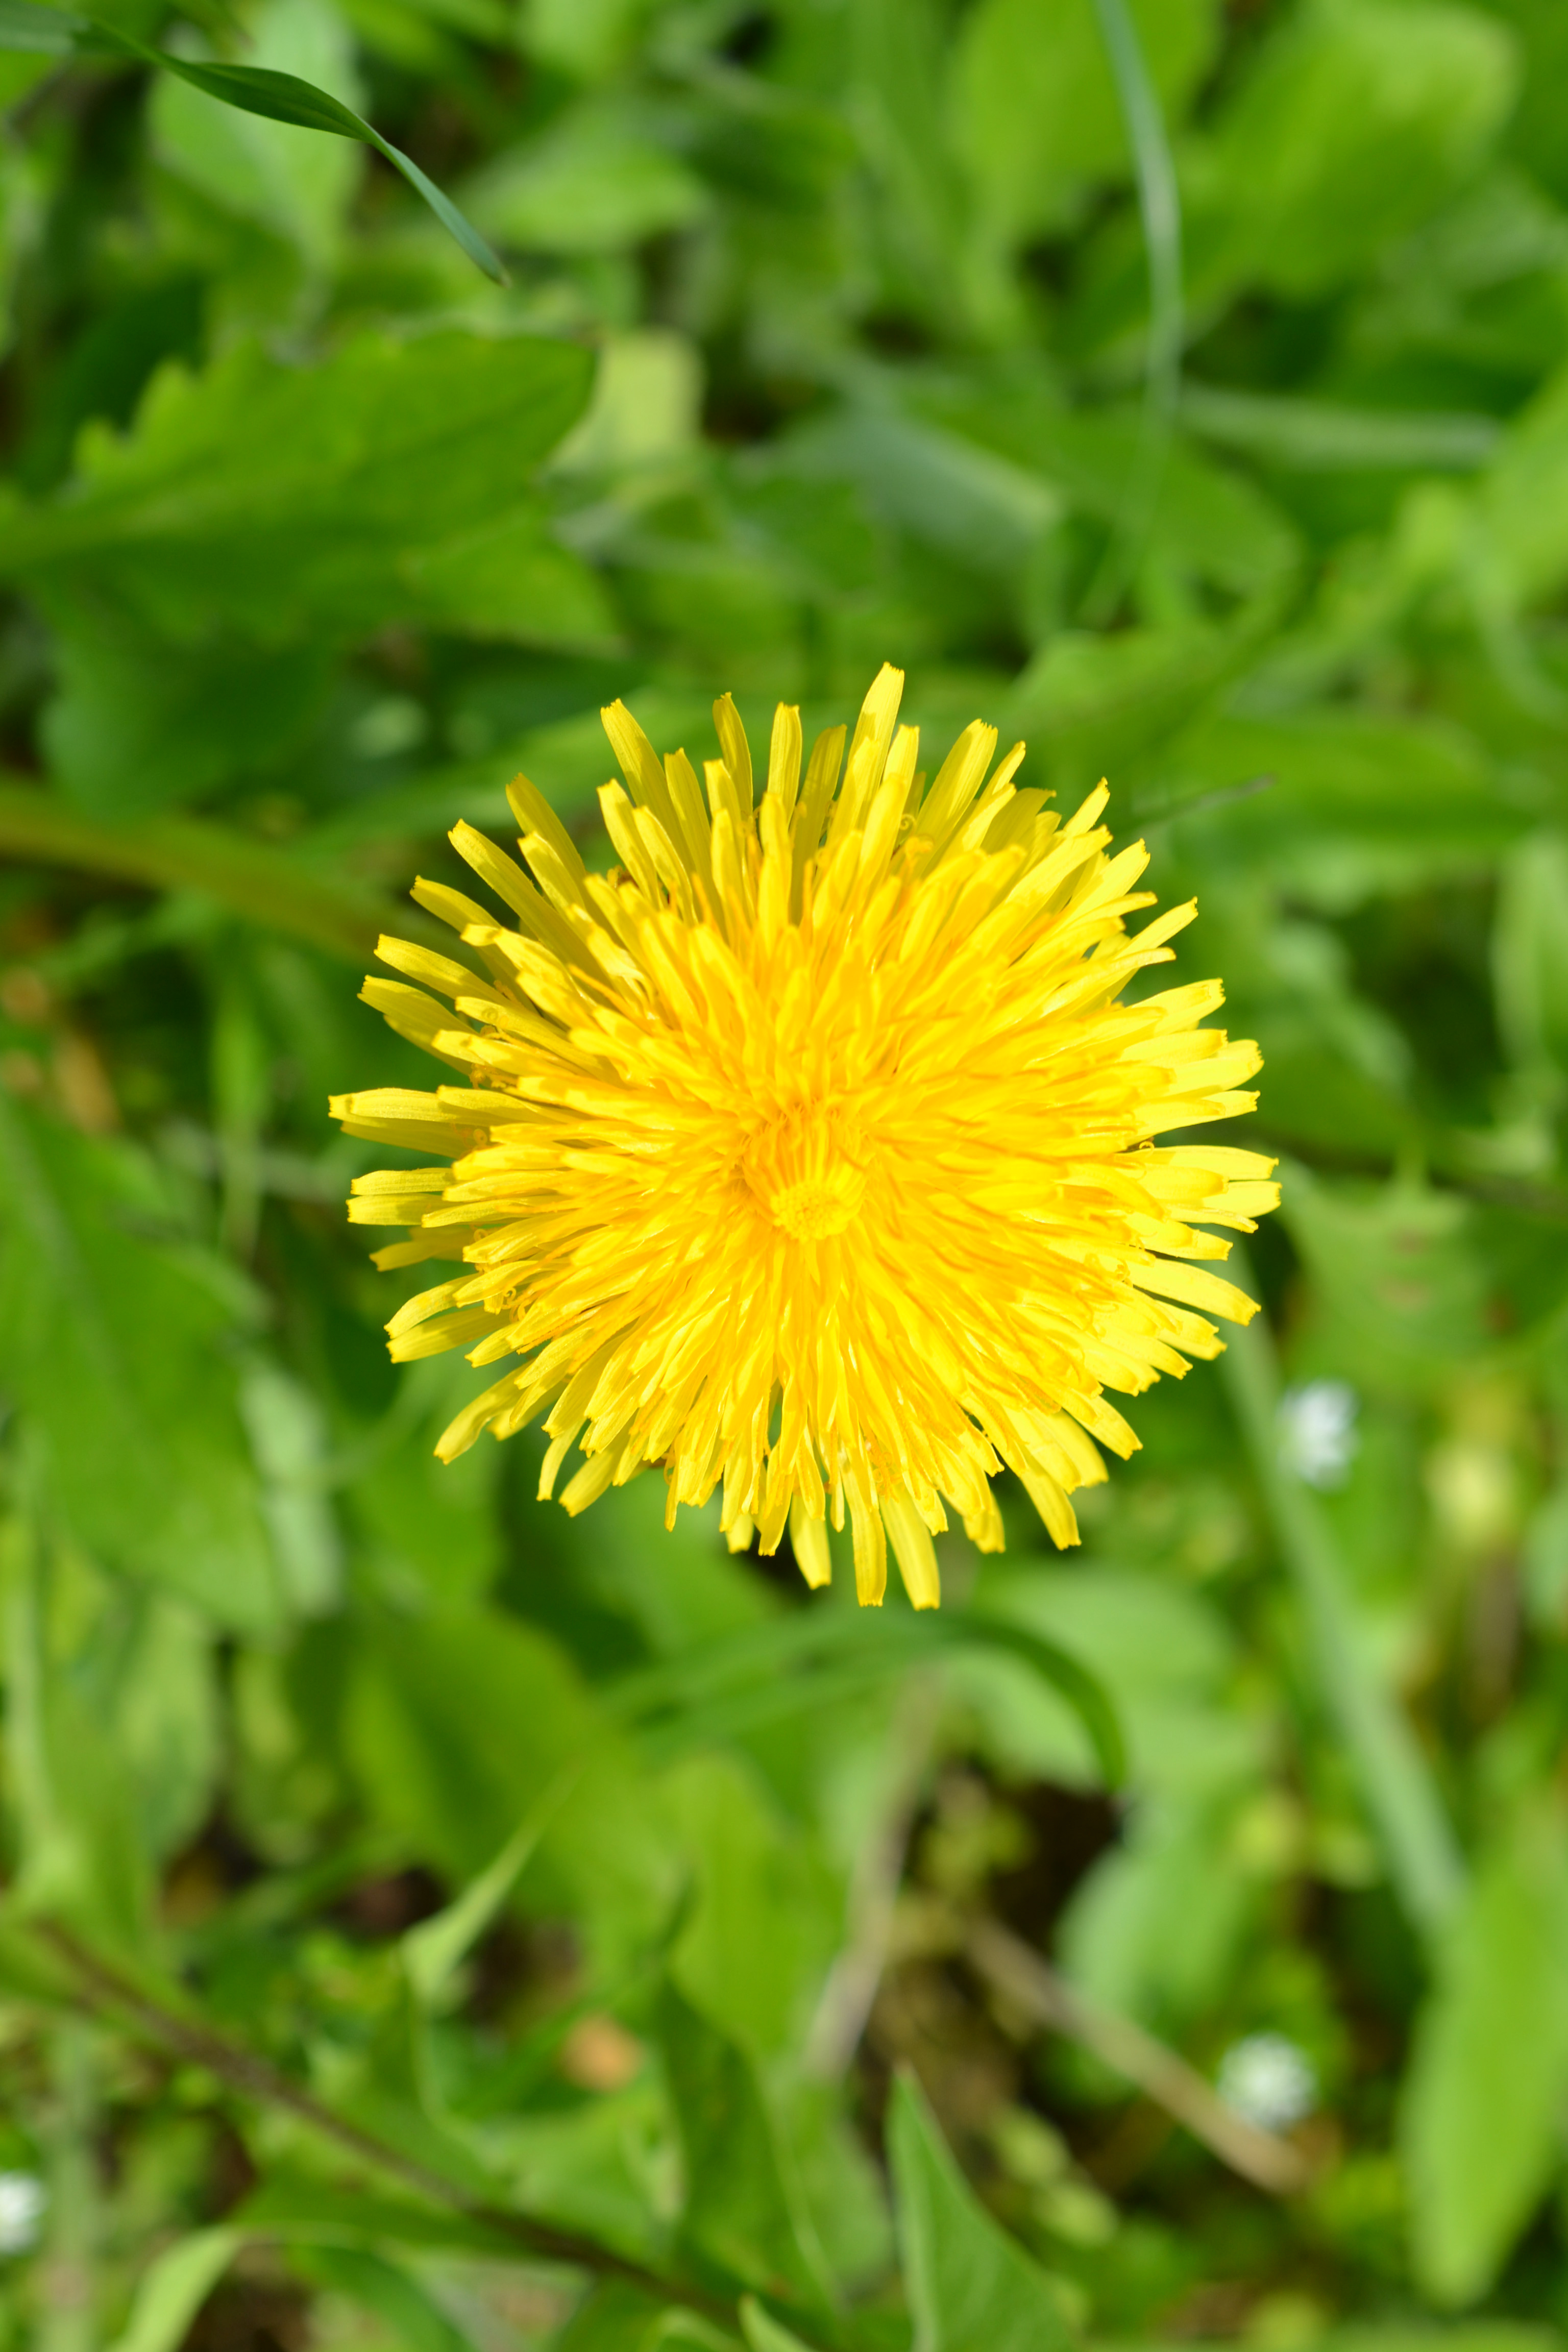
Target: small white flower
<point x="1318" y="1437"/>
<point x="1268" y="2080"/>
<point x="23" y="2199"/>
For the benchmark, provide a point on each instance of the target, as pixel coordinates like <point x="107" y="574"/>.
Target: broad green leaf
<point x="1358" y="804"/>
<point x="1356" y="118"/>
<point x="614" y="2317"/>
<point x="1521" y="551"/>
<point x="765" y="1912"/>
<point x="1479" y="2119"/>
<point x="584" y="38"/>
<point x="289" y="1440"/>
<point x="596" y="180"/>
<point x="80" y="1855"/>
<point x="1544" y="1560"/>
<point x="763" y="2332"/>
<point x="1204" y="520"/>
<point x="280" y="500"/>
<point x="163" y="1718"/>
<point x="971" y="2287"/>
<point x="1158" y="1651"/>
<point x="1035" y="116"/>
<point x="737" y="1680"/>
<point x="389" y="2293"/>
<point x="422" y="1524"/>
<point x="1133" y="1937"/>
<point x="43" y="32"/>
<point x="139" y="724"/>
<point x="1417" y="1279"/>
<point x="458" y="1723"/>
<point x="110" y="1343"/>
<point x="173" y="2287"/>
<point x="1098" y="705"/>
<point x="743" y="2220"/>
<point x="971" y="502"/>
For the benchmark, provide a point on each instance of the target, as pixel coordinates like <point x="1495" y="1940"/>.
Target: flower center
<point x="807" y="1169"/>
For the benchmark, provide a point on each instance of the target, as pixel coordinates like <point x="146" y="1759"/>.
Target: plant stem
<point x="1031" y="1985"/>
<point x="67" y="2273"/>
<point x="1423" y="1859"/>
<point x="252" y="878"/>
<point x="255" y="2078"/>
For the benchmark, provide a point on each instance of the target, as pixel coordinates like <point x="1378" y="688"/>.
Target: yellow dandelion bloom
<point x="809" y="1150"/>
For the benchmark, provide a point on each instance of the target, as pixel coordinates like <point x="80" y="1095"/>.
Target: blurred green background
<point x="397" y="1872"/>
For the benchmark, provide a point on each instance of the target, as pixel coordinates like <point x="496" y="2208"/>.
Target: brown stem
<point x="256" y="2078"/>
<point x="1033" y="1987"/>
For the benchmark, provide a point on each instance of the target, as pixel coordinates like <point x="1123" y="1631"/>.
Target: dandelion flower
<point x="809" y="1152"/>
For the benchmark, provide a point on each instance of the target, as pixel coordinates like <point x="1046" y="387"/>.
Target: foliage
<point x="432" y="1922"/>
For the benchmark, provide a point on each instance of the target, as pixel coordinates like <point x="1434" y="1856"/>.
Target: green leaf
<point x="1426" y="1865"/>
<point x="1359" y="804"/>
<point x="434" y="1950"/>
<point x="388" y="2293"/>
<point x="971" y="2287"/>
<point x="1417" y="1279"/>
<point x="457" y="1725"/>
<point x="39" y="32"/>
<point x="293" y="183"/>
<point x="1480" y="2114"/>
<point x="75" y="1814"/>
<point x="717" y="1687"/>
<point x="138" y="724"/>
<point x="173" y="2287"/>
<point x="1110" y="705"/>
<point x="163" y="1720"/>
<point x="1530" y="956"/>
<point x="743" y="2221"/>
<point x="763" y="2332"/>
<point x="110" y="1342"/>
<point x="1314" y="437"/>
<point x="614" y="2317"/>
<point x="1033" y="110"/>
<point x="765" y="1912"/>
<point x="282" y="502"/>
<point x="257" y="89"/>
<point x="302" y="2207"/>
<point x="1356" y="118"/>
<point x="596" y="180"/>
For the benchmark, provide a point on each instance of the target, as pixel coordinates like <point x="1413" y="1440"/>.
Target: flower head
<point x="809" y="1150"/>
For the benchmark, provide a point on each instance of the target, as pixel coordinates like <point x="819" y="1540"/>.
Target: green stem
<point x="250" y="878"/>
<point x="68" y="2272"/>
<point x="1423" y="1859"/>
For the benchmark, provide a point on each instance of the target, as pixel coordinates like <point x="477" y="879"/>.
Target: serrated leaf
<point x="282" y="501"/>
